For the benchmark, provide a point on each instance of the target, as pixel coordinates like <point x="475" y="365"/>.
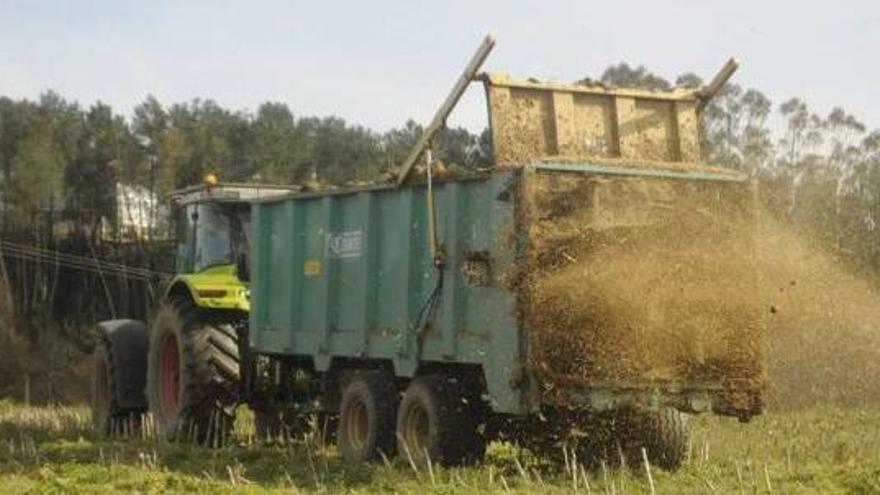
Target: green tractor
<point x="186" y="367"/>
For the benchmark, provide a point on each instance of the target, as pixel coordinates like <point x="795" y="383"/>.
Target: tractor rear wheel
<point x="193" y="374"/>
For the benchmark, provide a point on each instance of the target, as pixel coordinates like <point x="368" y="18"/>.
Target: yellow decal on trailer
<point x="312" y="268"/>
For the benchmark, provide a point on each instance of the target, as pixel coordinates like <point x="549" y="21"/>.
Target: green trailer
<point x="349" y="277"/>
<point x="589" y="291"/>
<point x="345" y="281"/>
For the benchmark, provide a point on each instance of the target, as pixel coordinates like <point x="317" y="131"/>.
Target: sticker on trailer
<point x="346" y="244"/>
<point x="312" y="268"/>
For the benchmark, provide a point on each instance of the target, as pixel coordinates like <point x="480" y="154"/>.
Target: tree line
<point x="61" y="163"/>
<point x="57" y="156"/>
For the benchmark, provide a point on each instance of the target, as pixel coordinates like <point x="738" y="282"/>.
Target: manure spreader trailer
<point x="587" y="291"/>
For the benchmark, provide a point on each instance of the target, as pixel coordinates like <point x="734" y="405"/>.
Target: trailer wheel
<point x="118" y="377"/>
<point x="193" y="374"/>
<point x="437" y="421"/>
<point x="666" y="434"/>
<point x="663" y="433"/>
<point x="366" y="417"/>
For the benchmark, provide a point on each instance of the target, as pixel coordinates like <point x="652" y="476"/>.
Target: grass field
<point x="818" y="451"/>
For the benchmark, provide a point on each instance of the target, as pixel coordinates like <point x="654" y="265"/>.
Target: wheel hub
<point x="169" y="378"/>
<point x="358" y="425"/>
<point x="416" y="426"/>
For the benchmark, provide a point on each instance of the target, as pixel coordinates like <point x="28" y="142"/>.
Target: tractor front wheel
<point x="118" y="376"/>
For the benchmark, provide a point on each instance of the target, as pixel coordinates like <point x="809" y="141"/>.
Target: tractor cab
<point x="210" y="234"/>
<point x="213" y="227"/>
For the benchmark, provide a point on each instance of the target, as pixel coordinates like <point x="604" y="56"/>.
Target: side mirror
<point x="242" y="269"/>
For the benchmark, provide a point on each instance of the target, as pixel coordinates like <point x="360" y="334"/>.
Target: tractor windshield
<point x="213" y="237"/>
<point x="210" y="234"/>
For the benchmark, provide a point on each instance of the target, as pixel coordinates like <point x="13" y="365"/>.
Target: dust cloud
<point x="643" y="281"/>
<point x="635" y="281"/>
<point x="824" y="325"/>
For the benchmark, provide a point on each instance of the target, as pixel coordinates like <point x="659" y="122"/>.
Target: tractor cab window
<point x="213" y="237"/>
<point x="209" y="234"/>
<point x="185" y="235"/>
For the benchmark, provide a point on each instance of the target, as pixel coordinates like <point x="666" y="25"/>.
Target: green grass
<point x="46" y="450"/>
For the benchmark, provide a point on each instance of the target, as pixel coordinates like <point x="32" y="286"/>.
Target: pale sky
<point x="378" y="63"/>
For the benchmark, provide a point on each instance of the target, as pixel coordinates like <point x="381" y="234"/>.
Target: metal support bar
<point x="706" y="93"/>
<point x="593" y="168"/>
<point x="432" y="219"/>
<point x="445" y="109"/>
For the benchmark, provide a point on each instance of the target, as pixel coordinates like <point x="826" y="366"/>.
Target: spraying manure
<point x="642" y="280"/>
<point x="824" y="325"/>
<point x="646" y="280"/>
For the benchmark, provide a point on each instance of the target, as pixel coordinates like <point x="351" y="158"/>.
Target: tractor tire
<point x="664" y="434"/>
<point x="366" y="417"/>
<point x="118" y="377"/>
<point x="193" y="374"/>
<point x="436" y="421"/>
